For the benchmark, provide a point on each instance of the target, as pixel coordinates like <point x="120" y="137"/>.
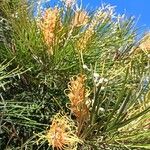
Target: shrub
<point x="85" y="68"/>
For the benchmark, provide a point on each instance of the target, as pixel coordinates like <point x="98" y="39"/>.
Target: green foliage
<point x="102" y="48"/>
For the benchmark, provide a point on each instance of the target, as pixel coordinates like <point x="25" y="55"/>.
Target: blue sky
<point x="138" y="8"/>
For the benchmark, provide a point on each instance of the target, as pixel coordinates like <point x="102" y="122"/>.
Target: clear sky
<point x="138" y="8"/>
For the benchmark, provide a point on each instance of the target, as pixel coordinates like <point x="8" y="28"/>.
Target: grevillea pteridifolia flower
<point x="62" y="133"/>
<point x="49" y="24"/>
<point x="80" y="18"/>
<point x="78" y="95"/>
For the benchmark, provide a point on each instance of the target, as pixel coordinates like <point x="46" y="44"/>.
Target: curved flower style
<point x="77" y="95"/>
<point x="80" y="19"/>
<point x="61" y="134"/>
<point x="48" y="24"/>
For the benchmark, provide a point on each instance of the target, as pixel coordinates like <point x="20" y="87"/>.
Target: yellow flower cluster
<point x="77" y="96"/>
<point x="100" y="16"/>
<point x="80" y="18"/>
<point x="48" y="25"/>
<point x="61" y="134"/>
<point x="145" y="44"/>
<point x="83" y="41"/>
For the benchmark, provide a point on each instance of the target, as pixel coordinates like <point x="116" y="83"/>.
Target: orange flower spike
<point x="57" y="135"/>
<point x="48" y="24"/>
<point x="61" y="134"/>
<point x="76" y="89"/>
<point x="77" y="95"/>
<point x="80" y="19"/>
